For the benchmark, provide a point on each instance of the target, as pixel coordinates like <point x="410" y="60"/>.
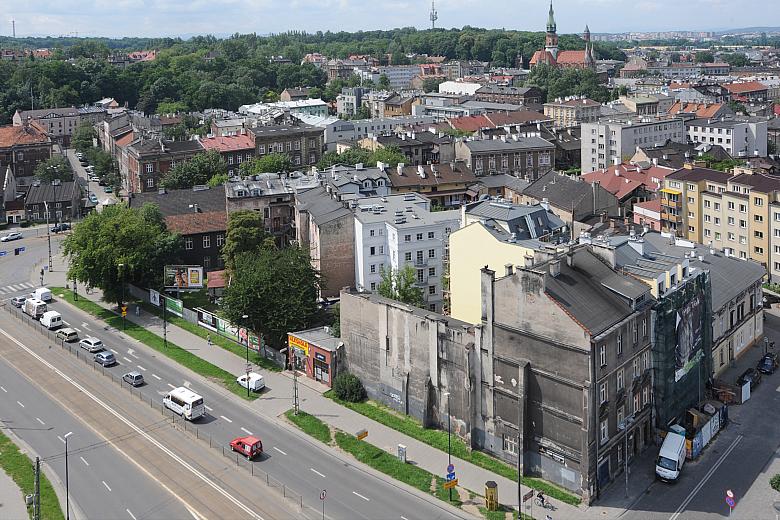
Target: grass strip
<point x="311" y="425"/>
<point x="20" y="468"/>
<point x="438" y="439"/>
<point x="500" y="514"/>
<point x="444" y="494"/>
<point x="216" y="339"/>
<point x="172" y="351"/>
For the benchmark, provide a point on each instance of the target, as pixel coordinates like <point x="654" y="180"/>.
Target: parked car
<point x="768" y="364"/>
<point x="101" y="182"/>
<point x="256" y="381"/>
<point x="62" y="226"/>
<point x="79" y="155"/>
<point x="752" y="376"/>
<point x="68" y="334"/>
<point x="13" y="235"/>
<point x="94" y="178"/>
<point x="134" y="378"/>
<point x="18" y="301"/>
<point x="108" y="189"/>
<point x="105" y="358"/>
<point x="250" y="447"/>
<point x="91" y="344"/>
<point x="93" y="198"/>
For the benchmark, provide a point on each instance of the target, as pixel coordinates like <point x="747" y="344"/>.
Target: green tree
<point x="384" y="82"/>
<point x="432" y="84"/>
<point x="171" y="107"/>
<point x="276" y="289"/>
<point x="245" y="234"/>
<point x="389" y="155"/>
<point x="196" y="171"/>
<point x="133" y="237"/>
<point x="176" y="132"/>
<point x="83" y="136"/>
<point x="55" y="168"/>
<point x="271" y="163"/>
<point x="217" y="180"/>
<point x="704" y="57"/>
<point x="736" y="59"/>
<point x="400" y="285"/>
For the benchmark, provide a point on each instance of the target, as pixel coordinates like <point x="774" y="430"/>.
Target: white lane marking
<point x="43" y="423"/>
<point x="3" y="389"/>
<point x="280" y="451"/>
<point x="65" y="323"/>
<point x="84" y="461"/>
<point x="131" y="353"/>
<point x="157" y="377"/>
<point x="703" y="481"/>
<point x="404" y="518"/>
<point x="317" y="472"/>
<point x="108" y="488"/>
<point x="138" y="430"/>
<point x="361" y="496"/>
<point x="142" y="368"/>
<point x="172" y="387"/>
<point x="127" y="359"/>
<point x="114" y="351"/>
<point x="61" y="439"/>
<point x="20" y="403"/>
<point x="228" y="420"/>
<point x="210" y="409"/>
<point x="131" y="514"/>
<point x="77" y="329"/>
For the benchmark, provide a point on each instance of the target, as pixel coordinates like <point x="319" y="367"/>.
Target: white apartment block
<point x="397" y="230"/>
<point x="608" y="140"/>
<point x="740" y="137"/>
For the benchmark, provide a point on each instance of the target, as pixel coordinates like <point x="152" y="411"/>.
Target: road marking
<point x="114" y="351"/>
<point x="131" y="514"/>
<point x="84" y="461"/>
<point x="703" y="481"/>
<point x="131" y="352"/>
<point x="210" y="409"/>
<point x="157" y="377"/>
<point x="127" y="359"/>
<point x="43" y="423"/>
<point x="246" y="431"/>
<point x="189" y="467"/>
<point x="404" y="518"/>
<point x="85" y="325"/>
<point x="77" y="329"/>
<point x="20" y="403"/>
<point x="108" y="488"/>
<point x="65" y="323"/>
<point x="172" y="387"/>
<point x="280" y="451"/>
<point x="61" y="439"/>
<point x="3" y="389"/>
<point x="228" y="420"/>
<point x="361" y="496"/>
<point x="142" y="368"/>
<point x="317" y="472"/>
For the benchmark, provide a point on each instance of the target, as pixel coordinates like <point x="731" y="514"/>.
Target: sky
<point x="116" y="18"/>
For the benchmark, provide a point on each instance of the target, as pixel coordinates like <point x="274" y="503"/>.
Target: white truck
<point x="34" y="307"/>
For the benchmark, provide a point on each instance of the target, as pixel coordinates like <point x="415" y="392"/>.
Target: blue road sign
<point x="450" y="468"/>
<point x="21" y="249"/>
<point x="3" y="253"/>
<point x="730" y="501"/>
<point x="450" y="476"/>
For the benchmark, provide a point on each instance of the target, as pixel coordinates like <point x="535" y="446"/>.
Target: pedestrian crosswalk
<point x="15" y="288"/>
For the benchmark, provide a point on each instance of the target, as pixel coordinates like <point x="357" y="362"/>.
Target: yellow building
<point x="499" y="235"/>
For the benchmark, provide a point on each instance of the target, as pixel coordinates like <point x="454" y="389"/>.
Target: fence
<point x="154" y="402"/>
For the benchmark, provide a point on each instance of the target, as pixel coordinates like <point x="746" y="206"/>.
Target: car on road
<point x="256" y="381"/>
<point x="62" y="226"/>
<point x="101" y="182"/>
<point x="13" y="235"/>
<point x="768" y="363"/>
<point x="93" y="198"/>
<point x="134" y="378"/>
<point x="752" y="376"/>
<point x="68" y="334"/>
<point x="105" y="358"/>
<point x="250" y="447"/>
<point x="89" y="169"/>
<point x="94" y="178"/>
<point x="18" y="301"/>
<point x="108" y="189"/>
<point x="91" y="344"/>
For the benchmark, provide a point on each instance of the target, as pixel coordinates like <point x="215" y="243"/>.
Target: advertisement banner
<point x="154" y="297"/>
<point x="298" y="344"/>
<point x="688" y="328"/>
<point x="174" y="306"/>
<point x="183" y="277"/>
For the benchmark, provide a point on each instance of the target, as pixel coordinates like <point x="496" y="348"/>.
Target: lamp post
<point x="48" y="230"/>
<point x="766" y="344"/>
<point x="122" y="303"/>
<point x="624" y="426"/>
<point x="165" y="320"/>
<point x="67" y="484"/>
<point x="449" y="437"/>
<point x="243" y="319"/>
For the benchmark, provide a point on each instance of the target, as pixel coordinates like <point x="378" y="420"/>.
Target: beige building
<point x="572" y="111"/>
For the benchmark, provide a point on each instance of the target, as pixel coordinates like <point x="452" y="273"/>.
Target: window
<point x="731" y="205"/>
<point x="373" y="286"/>
<point x="220" y="240"/>
<point x="758" y="201"/>
<point x="408" y="256"/>
<point x="731" y="221"/>
<point x="603" y="355"/>
<point x="431" y="253"/>
<point x="407" y="238"/>
<point x="619" y="344"/>
<point x="636" y="333"/>
<point x="431" y="234"/>
<point x="743" y="224"/>
<point x="604" y="429"/>
<point x="206" y="262"/>
<point x="646" y="360"/>
<point x="759" y="250"/>
<point x="420" y="276"/>
<point x="636" y="367"/>
<point x="419" y="236"/>
<point x="230" y="159"/>
<point x="381" y="250"/>
<point x="206" y="242"/>
<point x="758" y="218"/>
<point x="149" y="168"/>
<point x="372" y="268"/>
<point x="758" y="234"/>
<point x="620" y="379"/>
<point x="637" y="402"/>
<point x="431" y="289"/>
<point x="603" y="393"/>
<point x="645" y="396"/>
<point x="371" y="233"/>
<point x="261" y="149"/>
<point x="150" y="182"/>
<point x="419" y="257"/>
<point x="188" y="243"/>
<point x="510" y="444"/>
<point x="743" y="208"/>
<point x="431" y="271"/>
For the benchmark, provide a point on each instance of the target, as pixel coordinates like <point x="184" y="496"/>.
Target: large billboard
<point x="183" y="277"/>
<point x="688" y="332"/>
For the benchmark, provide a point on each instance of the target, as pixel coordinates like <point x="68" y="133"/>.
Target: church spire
<point x="551" y="20"/>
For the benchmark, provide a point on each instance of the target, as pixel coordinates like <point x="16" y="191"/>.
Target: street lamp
<point x="766" y="344"/>
<point x="624" y="426"/>
<point x="67" y="488"/>
<point x="48" y="230"/>
<point x="122" y="303"/>
<point x="449" y="434"/>
<point x="243" y="319"/>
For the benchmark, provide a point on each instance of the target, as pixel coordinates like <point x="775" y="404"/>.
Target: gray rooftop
<point x="46" y="192"/>
<point x="319" y="204"/>
<point x="178" y="202"/>
<point x="516" y="184"/>
<point x="409" y="210"/>
<point x="525" y="221"/>
<point x="522" y="143"/>
<point x="561" y="191"/>
<point x="267" y="184"/>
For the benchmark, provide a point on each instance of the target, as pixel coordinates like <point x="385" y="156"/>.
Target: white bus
<point x="185" y="402"/>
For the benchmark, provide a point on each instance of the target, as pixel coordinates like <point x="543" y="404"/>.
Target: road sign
<point x="362" y="434"/>
<point x="3" y="253"/>
<point x="450" y="468"/>
<point x="730" y="502"/>
<point x="729" y="493"/>
<point x="451" y="476"/>
<point x="124" y="310"/>
<point x="528" y="496"/>
<point x="323" y="493"/>
<point x="450" y="484"/>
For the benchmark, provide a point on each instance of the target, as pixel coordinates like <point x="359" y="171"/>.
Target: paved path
<point x="11" y="499"/>
<point x="278" y="399"/>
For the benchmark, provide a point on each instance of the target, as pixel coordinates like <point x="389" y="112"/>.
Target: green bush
<point x="25" y="223"/>
<point x="348" y="387"/>
<point x="775" y="482"/>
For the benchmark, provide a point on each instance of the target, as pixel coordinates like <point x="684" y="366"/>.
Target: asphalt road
<point x="83" y="178"/>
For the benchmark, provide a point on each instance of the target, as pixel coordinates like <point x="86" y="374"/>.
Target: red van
<point x="249" y="447"/>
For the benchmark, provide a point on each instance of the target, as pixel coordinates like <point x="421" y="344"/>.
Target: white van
<point x="185" y="402"/>
<point x="34" y="307"/>
<point x="42" y="293"/>
<point x="255" y="384"/>
<point x="672" y="456"/>
<point x="51" y="320"/>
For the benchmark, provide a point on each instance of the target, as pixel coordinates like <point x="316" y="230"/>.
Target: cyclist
<point x="541" y="499"/>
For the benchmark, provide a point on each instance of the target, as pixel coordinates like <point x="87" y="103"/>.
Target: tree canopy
<point x="389" y="155"/>
<point x="557" y="82"/>
<point x="135" y="238"/>
<point x="245" y="233"/>
<point x="198" y="170"/>
<point x="271" y="163"/>
<point x="55" y="168"/>
<point x="400" y="285"/>
<point x="82" y="137"/>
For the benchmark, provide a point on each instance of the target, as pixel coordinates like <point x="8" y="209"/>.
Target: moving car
<point x="68" y="334"/>
<point x="134" y="378"/>
<point x="94" y="178"/>
<point x="767" y="364"/>
<point x="671" y="456"/>
<point x="93" y="198"/>
<point x="91" y="344"/>
<point x="13" y="235"/>
<point x="108" y="189"/>
<point x="752" y="376"/>
<point x="250" y="447"/>
<point x="185" y="402"/>
<point x="256" y="381"/>
<point x="18" y="301"/>
<point x="105" y="358"/>
<point x="34" y="307"/>
<point x="51" y="320"/>
<point x="62" y="226"/>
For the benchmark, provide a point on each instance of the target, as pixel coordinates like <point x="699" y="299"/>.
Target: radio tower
<point x="434" y="15"/>
<point x="13" y="27"/>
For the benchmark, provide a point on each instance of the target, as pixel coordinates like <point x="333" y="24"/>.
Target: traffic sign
<point x="3" y="253"/>
<point x="729" y="493"/>
<point x="362" y="434"/>
<point x="323" y="494"/>
<point x="124" y="310"/>
<point x="451" y="476"/>
<point x="450" y="468"/>
<point x="730" y="502"/>
<point x="450" y="484"/>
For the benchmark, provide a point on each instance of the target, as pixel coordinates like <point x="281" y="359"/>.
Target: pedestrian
<point x="208" y="339"/>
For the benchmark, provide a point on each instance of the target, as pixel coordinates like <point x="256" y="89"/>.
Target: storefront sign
<point x="319" y="357"/>
<point x="298" y="344"/>
<point x="173" y="306"/>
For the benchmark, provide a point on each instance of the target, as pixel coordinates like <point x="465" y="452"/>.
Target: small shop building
<point x="315" y="352"/>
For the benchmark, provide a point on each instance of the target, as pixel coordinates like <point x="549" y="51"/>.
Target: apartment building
<point x="610" y="139"/>
<point x="521" y="156"/>
<point x="58" y="123"/>
<point x="149" y="159"/>
<point x="572" y="111"/>
<point x="399" y="230"/>
<point x="302" y="143"/>
<point x="741" y="137"/>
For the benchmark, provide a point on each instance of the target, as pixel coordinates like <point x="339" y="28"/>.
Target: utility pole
<point x="48" y="231"/>
<point x="244" y="317"/>
<point x="37" y="490"/>
<point x="67" y="486"/>
<point x="165" y="321"/>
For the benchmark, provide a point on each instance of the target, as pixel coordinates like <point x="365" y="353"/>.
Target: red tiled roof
<point x="216" y="279"/>
<point x="125" y="139"/>
<point x="471" y="123"/>
<point x="228" y="143"/>
<point x="15" y="135"/>
<point x="515" y="118"/>
<point x="195" y="223"/>
<point x="624" y="178"/>
<point x="742" y="88"/>
<point x="650" y="205"/>
<point x="570" y="57"/>
<point x="542" y="56"/>
<point x="703" y="110"/>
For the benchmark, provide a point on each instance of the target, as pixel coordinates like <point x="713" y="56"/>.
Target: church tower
<point x="590" y="59"/>
<point x="551" y="41"/>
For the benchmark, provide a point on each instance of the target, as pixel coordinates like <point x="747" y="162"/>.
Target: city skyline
<point x="176" y="18"/>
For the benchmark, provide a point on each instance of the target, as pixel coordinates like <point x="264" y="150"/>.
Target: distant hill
<point x="747" y="30"/>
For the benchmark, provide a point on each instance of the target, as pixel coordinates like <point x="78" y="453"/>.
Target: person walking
<point x="208" y="339"/>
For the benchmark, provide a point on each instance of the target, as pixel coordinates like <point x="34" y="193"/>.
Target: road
<point x="83" y="178"/>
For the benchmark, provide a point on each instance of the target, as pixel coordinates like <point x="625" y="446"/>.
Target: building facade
<point x="304" y="144"/>
<point x="149" y="159"/>
<point x="516" y="155"/>
<point x="58" y="123"/>
<point x="605" y="141"/>
<point x="740" y="137"/>
<point x="570" y="112"/>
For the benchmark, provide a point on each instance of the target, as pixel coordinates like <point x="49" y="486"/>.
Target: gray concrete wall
<point x="337" y="254"/>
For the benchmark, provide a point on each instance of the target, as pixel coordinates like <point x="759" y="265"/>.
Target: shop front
<point x="314" y="352"/>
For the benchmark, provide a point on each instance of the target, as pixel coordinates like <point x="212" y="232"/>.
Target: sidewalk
<point x="277" y="398"/>
<point x="12" y="504"/>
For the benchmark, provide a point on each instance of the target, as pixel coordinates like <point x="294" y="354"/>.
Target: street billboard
<point x="183" y="277"/>
<point x="688" y="331"/>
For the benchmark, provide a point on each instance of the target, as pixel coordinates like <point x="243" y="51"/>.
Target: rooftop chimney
<point x="555" y="268"/>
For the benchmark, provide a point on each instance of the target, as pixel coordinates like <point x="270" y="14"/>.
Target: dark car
<point x="752" y="376"/>
<point x="768" y="364"/>
<point x="63" y="226"/>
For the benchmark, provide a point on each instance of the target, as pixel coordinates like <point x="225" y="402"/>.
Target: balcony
<point x="670" y="203"/>
<point x="671" y="217"/>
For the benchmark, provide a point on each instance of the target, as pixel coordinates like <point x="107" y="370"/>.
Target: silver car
<point x="134" y="378"/>
<point x="91" y="344"/>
